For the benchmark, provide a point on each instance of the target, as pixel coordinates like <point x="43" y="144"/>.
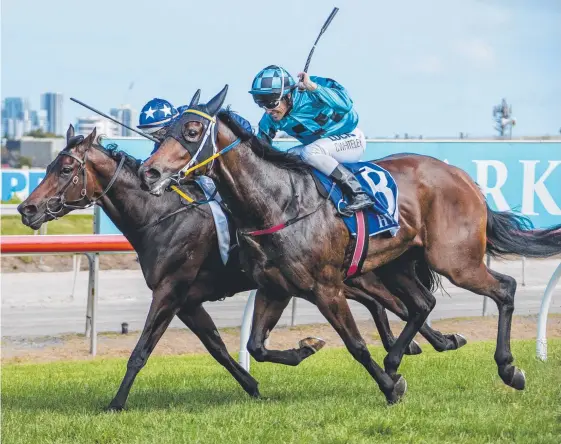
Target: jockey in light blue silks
<point x="157" y="114"/>
<point x="319" y="113"/>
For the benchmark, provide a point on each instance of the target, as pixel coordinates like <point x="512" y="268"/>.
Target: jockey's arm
<point x="267" y="130"/>
<point x="332" y="94"/>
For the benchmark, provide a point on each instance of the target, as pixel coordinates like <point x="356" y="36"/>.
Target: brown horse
<point x="178" y="253"/>
<point x="441" y="212"/>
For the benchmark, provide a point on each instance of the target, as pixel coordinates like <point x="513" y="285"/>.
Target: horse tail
<point x="509" y="233"/>
<point x="427" y="276"/>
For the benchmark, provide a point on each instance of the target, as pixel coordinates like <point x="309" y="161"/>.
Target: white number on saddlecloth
<point x="381" y="187"/>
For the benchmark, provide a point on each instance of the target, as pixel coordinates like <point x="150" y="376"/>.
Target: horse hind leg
<point x="371" y="290"/>
<point x="501" y="288"/>
<point x="366" y="290"/>
<point x="420" y="302"/>
<point x="383" y="325"/>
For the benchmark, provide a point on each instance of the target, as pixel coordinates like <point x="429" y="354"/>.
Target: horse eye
<point x="191" y="134"/>
<point x="66" y="169"/>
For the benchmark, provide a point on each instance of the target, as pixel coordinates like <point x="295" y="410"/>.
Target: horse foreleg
<point x="162" y="311"/>
<point x="333" y="305"/>
<point x="266" y="314"/>
<point x="200" y="323"/>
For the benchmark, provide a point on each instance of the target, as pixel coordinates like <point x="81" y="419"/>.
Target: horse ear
<point x="88" y="141"/>
<point x="195" y="99"/>
<point x="69" y="133"/>
<point x="216" y="102"/>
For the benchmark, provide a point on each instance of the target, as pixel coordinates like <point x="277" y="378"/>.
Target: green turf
<point x="82" y="224"/>
<point x="453" y="397"/>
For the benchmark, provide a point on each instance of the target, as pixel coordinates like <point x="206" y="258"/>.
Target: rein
<point x="189" y="168"/>
<point x="289" y="222"/>
<point x="192" y="204"/>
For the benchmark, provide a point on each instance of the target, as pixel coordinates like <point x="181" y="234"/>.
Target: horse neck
<point x="128" y="207"/>
<point x="257" y="191"/>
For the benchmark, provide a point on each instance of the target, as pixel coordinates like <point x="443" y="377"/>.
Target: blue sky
<point x="432" y="67"/>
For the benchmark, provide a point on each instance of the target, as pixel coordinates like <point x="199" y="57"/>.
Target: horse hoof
<point x="399" y="389"/>
<point x="314" y="344"/>
<point x="414" y="349"/>
<point x="460" y="340"/>
<point x="518" y="379"/>
<point x="255" y="394"/>
<point x="115" y="408"/>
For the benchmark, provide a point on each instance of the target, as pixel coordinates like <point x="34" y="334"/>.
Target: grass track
<point x="453" y="397"/>
<point x="83" y="224"/>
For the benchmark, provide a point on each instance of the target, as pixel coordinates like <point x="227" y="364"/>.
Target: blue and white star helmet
<point x="156" y="114"/>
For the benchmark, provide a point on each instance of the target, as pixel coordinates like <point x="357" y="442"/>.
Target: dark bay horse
<point x="442" y="212"/>
<point x="178" y="253"/>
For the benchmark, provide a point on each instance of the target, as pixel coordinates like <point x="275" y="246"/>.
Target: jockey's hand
<point x="305" y="83"/>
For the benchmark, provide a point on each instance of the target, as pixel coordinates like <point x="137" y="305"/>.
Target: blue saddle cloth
<point x="382" y="189"/>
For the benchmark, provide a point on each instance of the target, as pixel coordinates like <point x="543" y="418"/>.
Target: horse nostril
<point x="152" y="174"/>
<point x="28" y="210"/>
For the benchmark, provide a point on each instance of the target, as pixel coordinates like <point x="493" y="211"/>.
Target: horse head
<point x="65" y="186"/>
<point x="190" y="139"/>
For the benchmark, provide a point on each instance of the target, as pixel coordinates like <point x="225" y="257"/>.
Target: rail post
<point x="293" y="318"/>
<point x="243" y="357"/>
<point x="485" y="298"/>
<point x="541" y="340"/>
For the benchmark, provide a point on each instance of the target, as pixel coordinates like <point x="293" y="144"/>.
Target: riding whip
<point x="323" y="29"/>
<point x="114" y="120"/>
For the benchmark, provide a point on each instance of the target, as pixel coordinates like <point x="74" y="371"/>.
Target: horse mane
<point x="262" y="148"/>
<point x="112" y="150"/>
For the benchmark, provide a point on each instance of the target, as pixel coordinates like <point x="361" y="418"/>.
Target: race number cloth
<point x="382" y="189"/>
<point x="220" y="219"/>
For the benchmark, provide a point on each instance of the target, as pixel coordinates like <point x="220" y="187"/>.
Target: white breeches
<point x="325" y="154"/>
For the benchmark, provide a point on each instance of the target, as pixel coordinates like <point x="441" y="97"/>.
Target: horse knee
<point x="257" y="351"/>
<point x="137" y="361"/>
<point x="360" y="352"/>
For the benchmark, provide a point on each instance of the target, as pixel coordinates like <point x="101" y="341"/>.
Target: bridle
<point x="195" y="151"/>
<point x="60" y="199"/>
<point x="208" y="140"/>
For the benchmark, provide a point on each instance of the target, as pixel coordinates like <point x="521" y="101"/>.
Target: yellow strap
<point x="182" y="194"/>
<point x="200" y="113"/>
<point x="196" y="167"/>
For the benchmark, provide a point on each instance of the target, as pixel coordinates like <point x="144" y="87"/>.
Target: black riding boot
<point x="352" y="188"/>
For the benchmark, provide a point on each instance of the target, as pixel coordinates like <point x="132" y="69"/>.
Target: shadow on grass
<point x="189" y="400"/>
<point x="72" y="399"/>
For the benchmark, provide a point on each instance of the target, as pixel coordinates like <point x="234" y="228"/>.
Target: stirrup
<point x="357" y="204"/>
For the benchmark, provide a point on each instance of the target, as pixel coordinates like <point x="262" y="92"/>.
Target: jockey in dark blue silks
<point x="157" y="114"/>
<point x="320" y="114"/>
